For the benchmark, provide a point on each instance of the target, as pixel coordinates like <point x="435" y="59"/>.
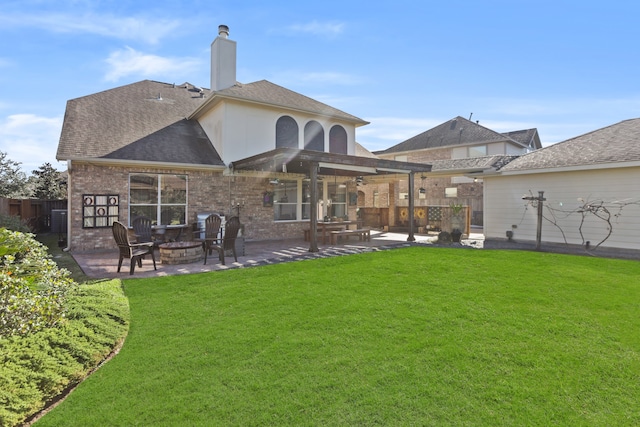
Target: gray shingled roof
<point x="265" y="92"/>
<point x="613" y="144"/>
<point x="526" y="137"/>
<point x="143" y="121"/>
<point x="457" y="131"/>
<point x="470" y="164"/>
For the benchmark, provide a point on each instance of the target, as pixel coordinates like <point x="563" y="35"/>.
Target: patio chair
<point x="134" y="251"/>
<point x="232" y="226"/>
<point x="211" y="233"/>
<point x="142" y="229"/>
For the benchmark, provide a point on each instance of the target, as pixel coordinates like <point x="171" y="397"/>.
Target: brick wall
<point x="207" y="191"/>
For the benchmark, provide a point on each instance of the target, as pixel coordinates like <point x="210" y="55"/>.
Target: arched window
<point x="338" y="140"/>
<point x="286" y="132"/>
<point x="313" y="136"/>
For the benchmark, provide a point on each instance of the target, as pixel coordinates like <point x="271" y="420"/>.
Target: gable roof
<point x="266" y="93"/>
<point x="613" y="144"/>
<point x="144" y="121"/>
<point x="457" y="131"/>
<point x="527" y="137"/>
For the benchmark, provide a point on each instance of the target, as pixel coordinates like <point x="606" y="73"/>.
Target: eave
<point x="217" y="98"/>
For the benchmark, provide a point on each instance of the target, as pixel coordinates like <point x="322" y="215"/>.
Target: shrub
<point x="444" y="237"/>
<point x="40" y="366"/>
<point x="32" y="287"/>
<point x="14" y="223"/>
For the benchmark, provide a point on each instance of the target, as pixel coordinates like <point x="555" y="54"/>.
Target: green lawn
<point x="415" y="336"/>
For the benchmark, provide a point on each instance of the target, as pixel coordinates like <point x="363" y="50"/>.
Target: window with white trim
<point x="451" y="192"/>
<point x="337" y="201"/>
<point x="161" y="197"/>
<point x="285" y="201"/>
<point x="292" y="200"/>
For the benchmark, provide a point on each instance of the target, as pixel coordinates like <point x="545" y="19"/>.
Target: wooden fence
<point x="35" y="213"/>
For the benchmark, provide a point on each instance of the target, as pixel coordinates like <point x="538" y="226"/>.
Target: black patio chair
<point x="211" y="232"/>
<point x="134" y="251"/>
<point x="142" y="229"/>
<point x="232" y="226"/>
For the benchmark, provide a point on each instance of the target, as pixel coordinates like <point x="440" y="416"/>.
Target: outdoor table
<point x="326" y="226"/>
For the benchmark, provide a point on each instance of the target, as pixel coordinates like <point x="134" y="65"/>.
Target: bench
<point x="362" y="233"/>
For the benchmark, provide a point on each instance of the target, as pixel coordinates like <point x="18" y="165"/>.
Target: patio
<point x="103" y="264"/>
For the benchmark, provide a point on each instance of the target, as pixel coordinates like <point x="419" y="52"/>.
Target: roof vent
<point x="223" y="31"/>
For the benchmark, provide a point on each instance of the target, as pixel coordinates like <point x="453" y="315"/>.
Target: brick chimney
<point x="223" y="60"/>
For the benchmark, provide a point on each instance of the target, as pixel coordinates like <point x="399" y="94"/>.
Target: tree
<point x="48" y="183"/>
<point x="12" y="180"/>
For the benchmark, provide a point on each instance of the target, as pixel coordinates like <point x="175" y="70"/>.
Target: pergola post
<point x="411" y="237"/>
<point x="313" y="204"/>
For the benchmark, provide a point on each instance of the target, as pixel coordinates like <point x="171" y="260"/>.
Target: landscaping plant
<point x="32" y="287"/>
<point x="53" y="332"/>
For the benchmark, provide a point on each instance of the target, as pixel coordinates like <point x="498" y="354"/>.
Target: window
<point x="313" y="136"/>
<point x="306" y="200"/>
<point x="285" y="201"/>
<point x="478" y="151"/>
<point x="161" y="197"/>
<point x="286" y="133"/>
<point x="451" y="192"/>
<point x="100" y="210"/>
<point x="292" y="200"/>
<point x="338" y="140"/>
<point x="337" y="202"/>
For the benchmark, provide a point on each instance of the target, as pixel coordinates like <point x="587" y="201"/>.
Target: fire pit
<point x="180" y="252"/>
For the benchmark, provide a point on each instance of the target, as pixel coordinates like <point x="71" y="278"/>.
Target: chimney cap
<point x="223" y="31"/>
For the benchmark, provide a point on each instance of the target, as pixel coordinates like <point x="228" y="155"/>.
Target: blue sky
<point x="565" y="67"/>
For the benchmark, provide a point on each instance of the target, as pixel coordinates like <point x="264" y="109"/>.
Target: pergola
<point x="314" y="163"/>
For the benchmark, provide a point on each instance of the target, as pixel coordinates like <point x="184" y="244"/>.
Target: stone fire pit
<point x="180" y="252"/>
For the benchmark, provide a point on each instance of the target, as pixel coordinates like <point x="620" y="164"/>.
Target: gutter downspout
<point x="69" y="170"/>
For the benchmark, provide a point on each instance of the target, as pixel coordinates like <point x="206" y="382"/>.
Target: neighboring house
<point x="174" y="152"/>
<point x="457" y="150"/>
<point x="591" y="186"/>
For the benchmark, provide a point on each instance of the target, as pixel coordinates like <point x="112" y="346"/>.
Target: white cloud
<point x="319" y="28"/>
<point x="128" y="61"/>
<point x="31" y="140"/>
<point x="148" y="30"/>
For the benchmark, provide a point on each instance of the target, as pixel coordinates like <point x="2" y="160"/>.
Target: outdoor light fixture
<point x="423" y="190"/>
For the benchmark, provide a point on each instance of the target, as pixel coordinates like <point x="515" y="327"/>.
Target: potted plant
<point x="457" y="221"/>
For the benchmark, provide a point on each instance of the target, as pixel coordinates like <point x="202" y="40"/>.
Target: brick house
<point x="278" y="159"/>
<point x="459" y="151"/>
